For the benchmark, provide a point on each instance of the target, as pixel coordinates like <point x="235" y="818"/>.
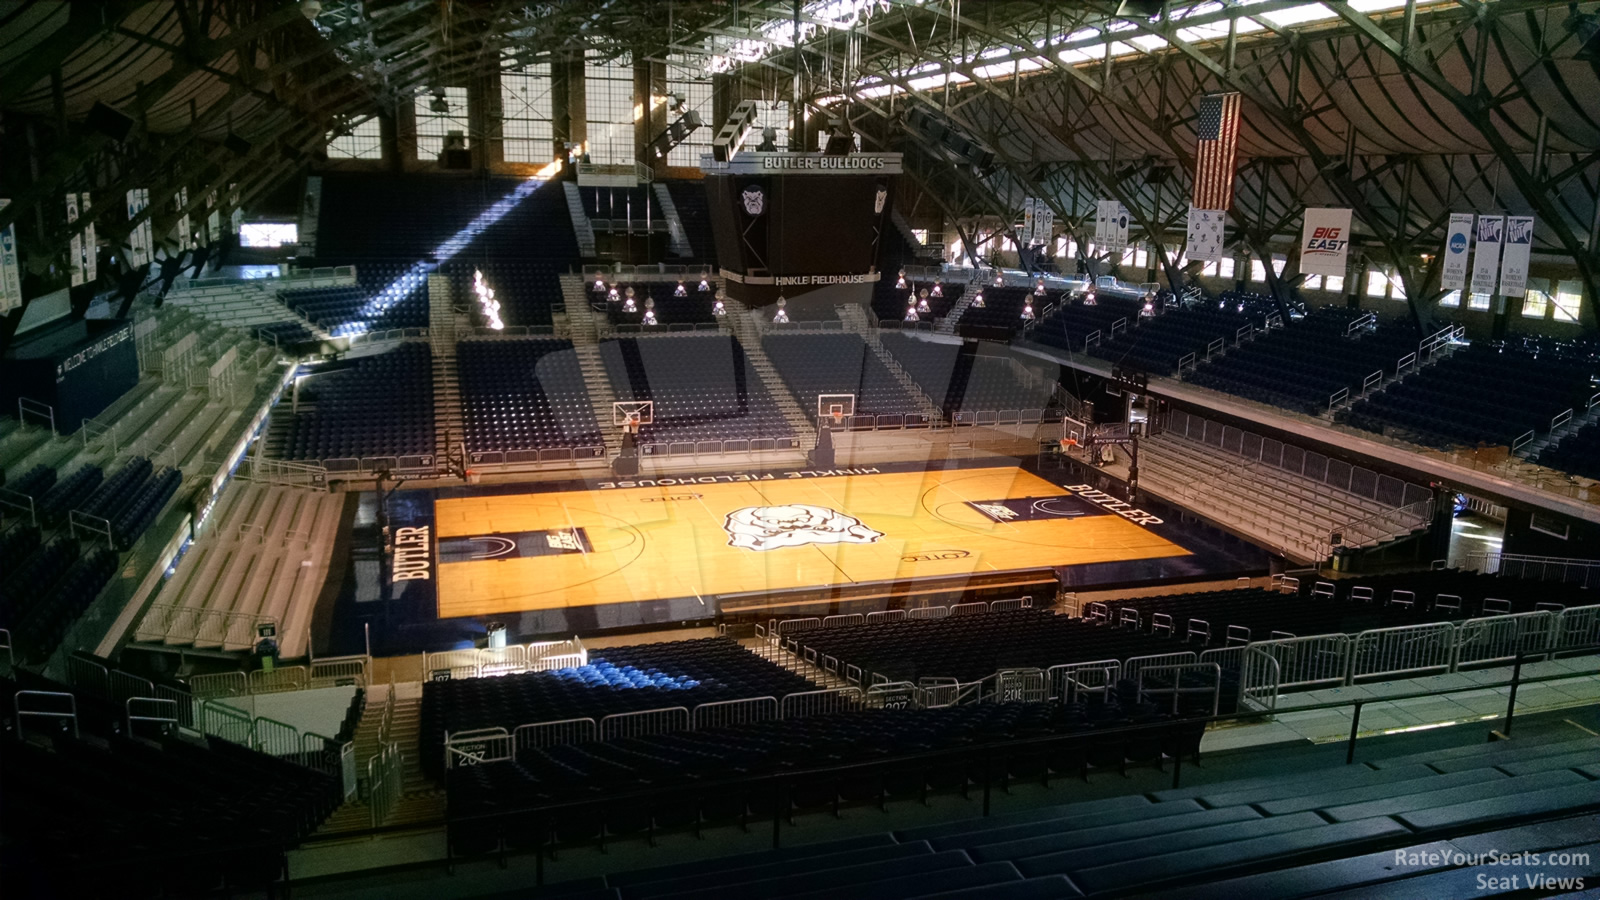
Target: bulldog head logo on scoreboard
<point x="755" y="200"/>
<point x="794" y="525"/>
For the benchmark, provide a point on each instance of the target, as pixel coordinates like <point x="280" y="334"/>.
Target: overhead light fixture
<point x="627" y="301"/>
<point x="705" y="285"/>
<point x="782" y="318"/>
<point x="900" y="283"/>
<point x="937" y="290"/>
<point x="922" y="301"/>
<point x="977" y="299"/>
<point x="680" y="290"/>
<point x="650" y="310"/>
<point x="1027" y="310"/>
<point x="911" y="313"/>
<point x="599" y="284"/>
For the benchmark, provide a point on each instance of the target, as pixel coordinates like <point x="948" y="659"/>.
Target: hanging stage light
<point x="705" y="284"/>
<point x="977" y="299"/>
<point x="1038" y="288"/>
<point x="612" y="295"/>
<point x="599" y="283"/>
<point x="900" y="282"/>
<point x="937" y="290"/>
<point x="489" y="306"/>
<point x="627" y="301"/>
<point x="911" y="314"/>
<point x="922" y="301"/>
<point x="680" y="290"/>
<point x="782" y="317"/>
<point x="1027" y="311"/>
<point x="650" y="310"/>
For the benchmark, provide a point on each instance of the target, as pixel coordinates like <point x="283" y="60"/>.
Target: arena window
<point x="610" y="108"/>
<point x="1334" y="284"/>
<point x="1478" y="301"/>
<point x="689" y="79"/>
<point x="1451" y="299"/>
<point x="527" y="135"/>
<point x="268" y="234"/>
<point x="1377" y="282"/>
<point x="1537" y="301"/>
<point x="433" y="125"/>
<point x="1568" y="299"/>
<point x="364" y="140"/>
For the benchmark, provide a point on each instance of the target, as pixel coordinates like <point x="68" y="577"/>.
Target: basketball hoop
<point x="838" y="418"/>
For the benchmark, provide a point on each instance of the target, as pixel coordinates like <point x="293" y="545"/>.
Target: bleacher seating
<point x="1296" y="511"/>
<point x="889" y="302"/>
<point x="960" y="380"/>
<point x="69" y="493"/>
<point x="385" y="295"/>
<point x="1480" y="394"/>
<point x="592" y="769"/>
<point x="40" y="628"/>
<point x="1578" y="453"/>
<point x="1070" y="323"/>
<point x="969" y="648"/>
<point x="118" y="490"/>
<point x="93" y="807"/>
<point x="524" y="394"/>
<point x="615" y="680"/>
<point x="1158" y="343"/>
<point x="672" y="313"/>
<point x="1303" y="365"/>
<point x="619" y="204"/>
<point x="429" y="217"/>
<point x="830" y="363"/>
<point x="527" y="289"/>
<point x="380" y="405"/>
<point x="1001" y="311"/>
<point x="133" y="518"/>
<point x="694" y="211"/>
<point x="703" y="387"/>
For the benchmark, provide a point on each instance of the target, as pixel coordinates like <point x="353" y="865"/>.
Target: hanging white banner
<point x="1044" y="223"/>
<point x="91" y="245"/>
<point x="10" y="273"/>
<point x="1325" y="242"/>
<point x="1486" y="253"/>
<point x="1110" y="227"/>
<point x="75" y="258"/>
<point x="213" y="219"/>
<point x="1205" y="234"/>
<point x="1453" y="273"/>
<point x="1514" y="257"/>
<point x="181" y="230"/>
<point x="1025" y="236"/>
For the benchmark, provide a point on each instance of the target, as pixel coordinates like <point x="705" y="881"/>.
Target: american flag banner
<point x="1218" y="130"/>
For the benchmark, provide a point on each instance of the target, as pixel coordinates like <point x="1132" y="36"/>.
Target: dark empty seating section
<point x="1303" y="365"/>
<point x="972" y="647"/>
<point x="1069" y="325"/>
<point x="673" y="313"/>
<point x="703" y="389"/>
<point x="525" y="286"/>
<point x="616" y="680"/>
<point x="380" y="405"/>
<point x="223" y="809"/>
<point x="429" y="217"/>
<point x="890" y="302"/>
<point x="621" y="205"/>
<point x="961" y="380"/>
<point x="1157" y="344"/>
<point x="1001" y="312"/>
<point x="1481" y="393"/>
<point x="386" y="295"/>
<point x="1578" y="453"/>
<point x="815" y="364"/>
<point x="993" y="383"/>
<point x="524" y="395"/>
<point x="694" y="211"/>
<point x="931" y="364"/>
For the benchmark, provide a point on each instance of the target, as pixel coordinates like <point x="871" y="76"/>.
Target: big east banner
<point x="1325" y="242"/>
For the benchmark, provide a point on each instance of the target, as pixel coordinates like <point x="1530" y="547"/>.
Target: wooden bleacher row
<point x="264" y="559"/>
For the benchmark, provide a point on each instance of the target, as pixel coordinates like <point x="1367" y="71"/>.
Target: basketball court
<point x="626" y="542"/>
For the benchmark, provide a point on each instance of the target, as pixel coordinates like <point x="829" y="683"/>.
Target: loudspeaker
<point x="109" y="122"/>
<point x="237" y="144"/>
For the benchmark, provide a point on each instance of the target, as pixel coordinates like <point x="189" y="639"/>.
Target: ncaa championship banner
<point x="1110" y="227"/>
<point x="1514" y="258"/>
<point x="1486" y="256"/>
<point x="1453" y="273"/>
<point x="1325" y="242"/>
<point x="10" y="272"/>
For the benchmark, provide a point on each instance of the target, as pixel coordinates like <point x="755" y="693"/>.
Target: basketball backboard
<point x="632" y="412"/>
<point x="835" y="407"/>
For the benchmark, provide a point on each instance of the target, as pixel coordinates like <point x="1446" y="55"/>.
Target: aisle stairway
<point x="448" y="423"/>
<point x="585" y="342"/>
<point x="856" y="320"/>
<point x="947" y="325"/>
<point x="420" y="800"/>
<point x="745" y="329"/>
<point x="582" y="228"/>
<point x="678" y="238"/>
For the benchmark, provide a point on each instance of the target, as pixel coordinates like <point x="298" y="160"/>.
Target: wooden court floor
<point x="660" y="542"/>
